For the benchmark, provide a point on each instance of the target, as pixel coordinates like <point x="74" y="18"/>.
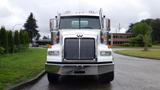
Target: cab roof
<point x="80" y="14"/>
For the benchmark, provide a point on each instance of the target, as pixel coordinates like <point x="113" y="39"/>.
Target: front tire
<point x="53" y="78"/>
<point x="106" y="78"/>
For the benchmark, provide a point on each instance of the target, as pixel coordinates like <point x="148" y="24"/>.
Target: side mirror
<point x="106" y="29"/>
<point x="54" y="30"/>
<point x="106" y="24"/>
<point x="53" y="24"/>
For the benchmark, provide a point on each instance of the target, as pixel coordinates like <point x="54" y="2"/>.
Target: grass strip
<point x="15" y="68"/>
<point x="152" y="53"/>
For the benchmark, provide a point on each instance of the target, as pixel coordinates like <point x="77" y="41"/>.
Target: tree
<point x="0" y="38"/>
<point x="16" y="40"/>
<point x="1" y="41"/>
<point x="156" y="30"/>
<point x="142" y="29"/>
<point x="21" y="37"/>
<point x="10" y="42"/>
<point x="4" y="39"/>
<point x="26" y="39"/>
<point x="155" y="24"/>
<point x="31" y="27"/>
<point x="38" y="36"/>
<point x="130" y="28"/>
<point x="137" y="41"/>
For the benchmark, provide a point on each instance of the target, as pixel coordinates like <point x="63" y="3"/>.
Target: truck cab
<point x="79" y="47"/>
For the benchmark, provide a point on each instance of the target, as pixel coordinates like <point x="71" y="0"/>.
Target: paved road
<point x="130" y="74"/>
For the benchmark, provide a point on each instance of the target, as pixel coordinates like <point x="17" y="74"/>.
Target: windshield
<point x="80" y="22"/>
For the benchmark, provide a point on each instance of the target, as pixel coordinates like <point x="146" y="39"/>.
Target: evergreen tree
<point x="38" y="36"/>
<point x="0" y="38"/>
<point x="16" y="40"/>
<point x="22" y="41"/>
<point x="26" y="39"/>
<point x="4" y="39"/>
<point x="1" y="48"/>
<point x="10" y="42"/>
<point x="31" y="27"/>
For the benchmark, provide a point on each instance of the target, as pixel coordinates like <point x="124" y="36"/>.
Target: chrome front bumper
<point x="79" y="69"/>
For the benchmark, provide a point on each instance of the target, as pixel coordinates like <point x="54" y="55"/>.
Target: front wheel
<point x="53" y="78"/>
<point x="106" y="78"/>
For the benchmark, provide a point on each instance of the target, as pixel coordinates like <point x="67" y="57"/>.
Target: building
<point x="120" y="39"/>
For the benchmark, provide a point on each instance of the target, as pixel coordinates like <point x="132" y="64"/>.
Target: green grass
<point x="152" y="53"/>
<point x="15" y="68"/>
<point x="153" y="47"/>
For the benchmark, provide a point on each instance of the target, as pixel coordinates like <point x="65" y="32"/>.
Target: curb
<point x="27" y="82"/>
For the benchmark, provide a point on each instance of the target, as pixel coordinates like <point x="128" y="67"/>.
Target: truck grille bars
<point x="79" y="49"/>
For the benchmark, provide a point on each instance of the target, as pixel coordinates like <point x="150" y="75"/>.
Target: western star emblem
<point x="79" y="35"/>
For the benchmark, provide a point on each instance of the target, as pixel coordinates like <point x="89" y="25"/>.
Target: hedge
<point x="13" y="41"/>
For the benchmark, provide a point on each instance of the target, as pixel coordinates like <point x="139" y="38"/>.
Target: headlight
<point x="105" y="53"/>
<point x="53" y="53"/>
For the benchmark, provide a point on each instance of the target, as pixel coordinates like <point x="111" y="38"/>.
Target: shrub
<point x="11" y="42"/>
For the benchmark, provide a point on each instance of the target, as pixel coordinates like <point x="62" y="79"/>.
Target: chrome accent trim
<point x="69" y="69"/>
<point x="79" y="48"/>
<point x="94" y="60"/>
<point x="77" y="64"/>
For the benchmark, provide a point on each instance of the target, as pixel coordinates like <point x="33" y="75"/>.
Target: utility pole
<point x="119" y="27"/>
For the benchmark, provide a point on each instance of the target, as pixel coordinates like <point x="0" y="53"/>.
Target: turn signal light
<point x="49" y="46"/>
<point x="109" y="46"/>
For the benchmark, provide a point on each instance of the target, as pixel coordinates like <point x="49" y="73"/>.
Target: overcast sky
<point x="13" y="13"/>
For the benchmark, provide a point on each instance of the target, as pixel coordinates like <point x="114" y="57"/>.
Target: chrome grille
<point x="79" y="49"/>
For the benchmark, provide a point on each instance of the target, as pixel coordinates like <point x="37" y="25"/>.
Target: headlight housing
<point x="105" y="53"/>
<point x="53" y="53"/>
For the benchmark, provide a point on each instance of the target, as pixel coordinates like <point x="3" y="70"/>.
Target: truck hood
<point x="92" y="33"/>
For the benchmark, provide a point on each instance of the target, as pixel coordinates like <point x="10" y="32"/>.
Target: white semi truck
<point x="79" y="47"/>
